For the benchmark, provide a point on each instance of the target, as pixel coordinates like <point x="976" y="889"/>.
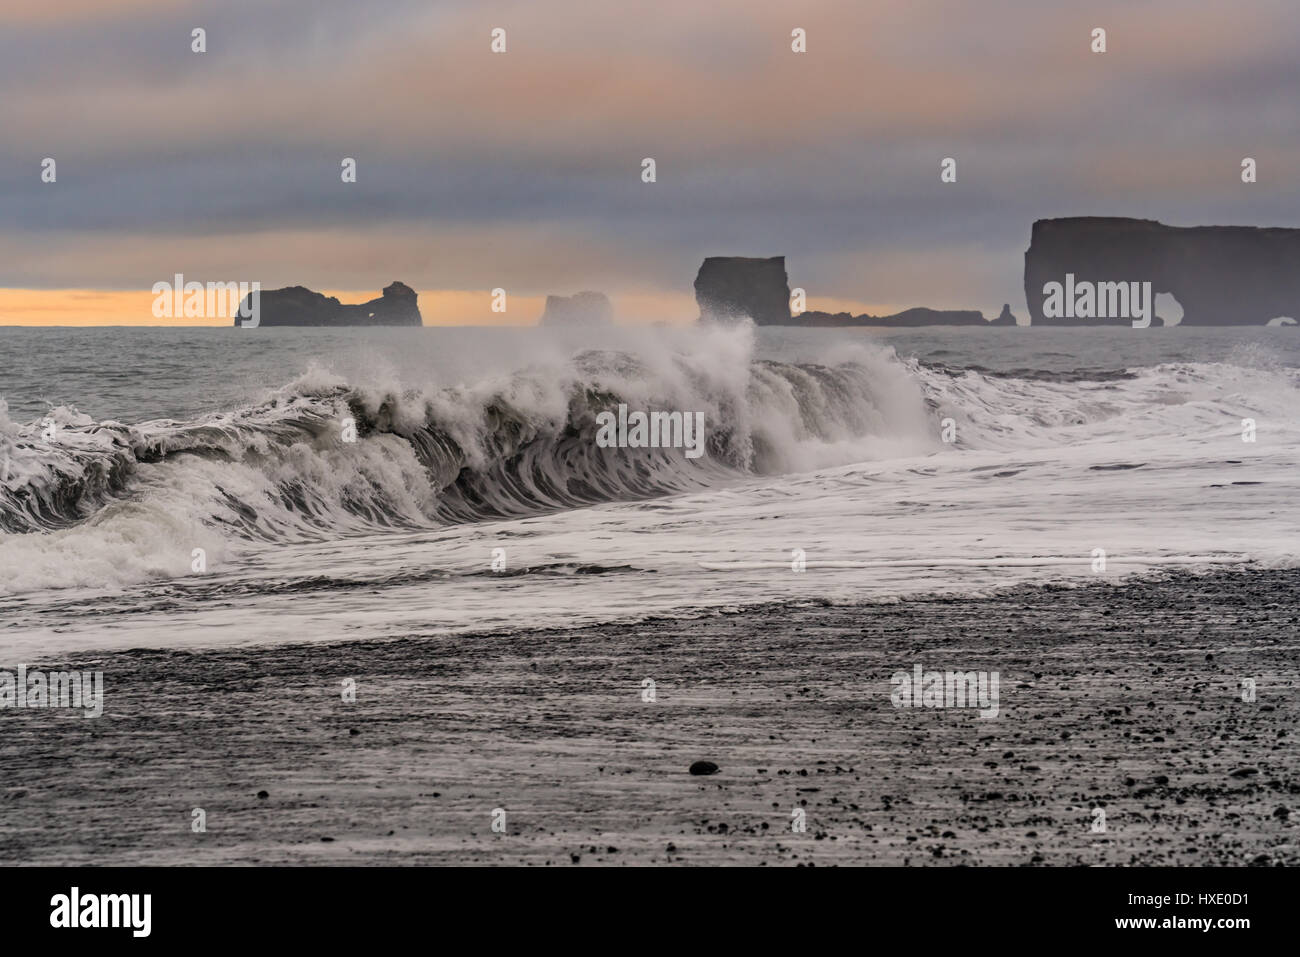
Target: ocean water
<point x="827" y="475"/>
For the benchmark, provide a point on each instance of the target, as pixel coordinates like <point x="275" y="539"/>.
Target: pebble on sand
<point x="704" y="767"/>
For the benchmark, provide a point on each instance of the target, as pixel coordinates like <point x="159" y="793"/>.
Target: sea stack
<point x="1220" y="275"/>
<point x="300" y="306"/>
<point x="1005" y="317"/>
<point x="730" y="288"/>
<point x="581" y="309"/>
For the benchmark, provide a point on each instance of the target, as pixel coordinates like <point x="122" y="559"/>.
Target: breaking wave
<point x="323" y="457"/>
<point x="101" y="504"/>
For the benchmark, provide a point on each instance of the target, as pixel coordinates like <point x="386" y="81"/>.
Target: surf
<point x="104" y="503"/>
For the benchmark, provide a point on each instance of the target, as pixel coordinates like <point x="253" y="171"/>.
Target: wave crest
<point x="503" y="447"/>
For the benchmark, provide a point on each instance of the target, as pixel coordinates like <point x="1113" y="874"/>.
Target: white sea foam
<point x="308" y="538"/>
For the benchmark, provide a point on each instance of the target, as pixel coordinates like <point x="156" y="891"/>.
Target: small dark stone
<point x="1244" y="772"/>
<point x="704" y="767"/>
<point x="263" y="794"/>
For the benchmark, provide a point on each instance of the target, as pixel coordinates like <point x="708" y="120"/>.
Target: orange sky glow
<point x="443" y="307"/>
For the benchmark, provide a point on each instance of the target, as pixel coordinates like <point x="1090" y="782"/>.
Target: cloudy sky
<point x="522" y="170"/>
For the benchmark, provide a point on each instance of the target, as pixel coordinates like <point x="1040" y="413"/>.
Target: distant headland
<point x="728" y="288"/>
<point x="1219" y="275"/>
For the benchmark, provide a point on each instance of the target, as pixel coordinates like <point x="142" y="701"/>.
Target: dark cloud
<point x="474" y="167"/>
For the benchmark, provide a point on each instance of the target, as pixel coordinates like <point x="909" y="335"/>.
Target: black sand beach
<point x="1122" y="695"/>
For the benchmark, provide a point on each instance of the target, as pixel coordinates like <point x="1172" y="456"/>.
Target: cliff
<point x="728" y="288"/>
<point x="1220" y="275"/>
<point x="299" y="306"/>
<point x="583" y="308"/>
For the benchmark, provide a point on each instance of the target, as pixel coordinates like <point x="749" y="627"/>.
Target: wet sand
<point x="1121" y="695"/>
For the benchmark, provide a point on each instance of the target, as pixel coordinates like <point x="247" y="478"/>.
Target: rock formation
<point x="583" y="308"/>
<point x="299" y="306"/>
<point x="908" y="318"/>
<point x="733" y="287"/>
<point x="1005" y="317"/>
<point x="1220" y="275"/>
<point x="729" y="288"/>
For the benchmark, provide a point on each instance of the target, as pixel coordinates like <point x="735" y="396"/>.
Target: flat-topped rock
<point x="582" y="308"/>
